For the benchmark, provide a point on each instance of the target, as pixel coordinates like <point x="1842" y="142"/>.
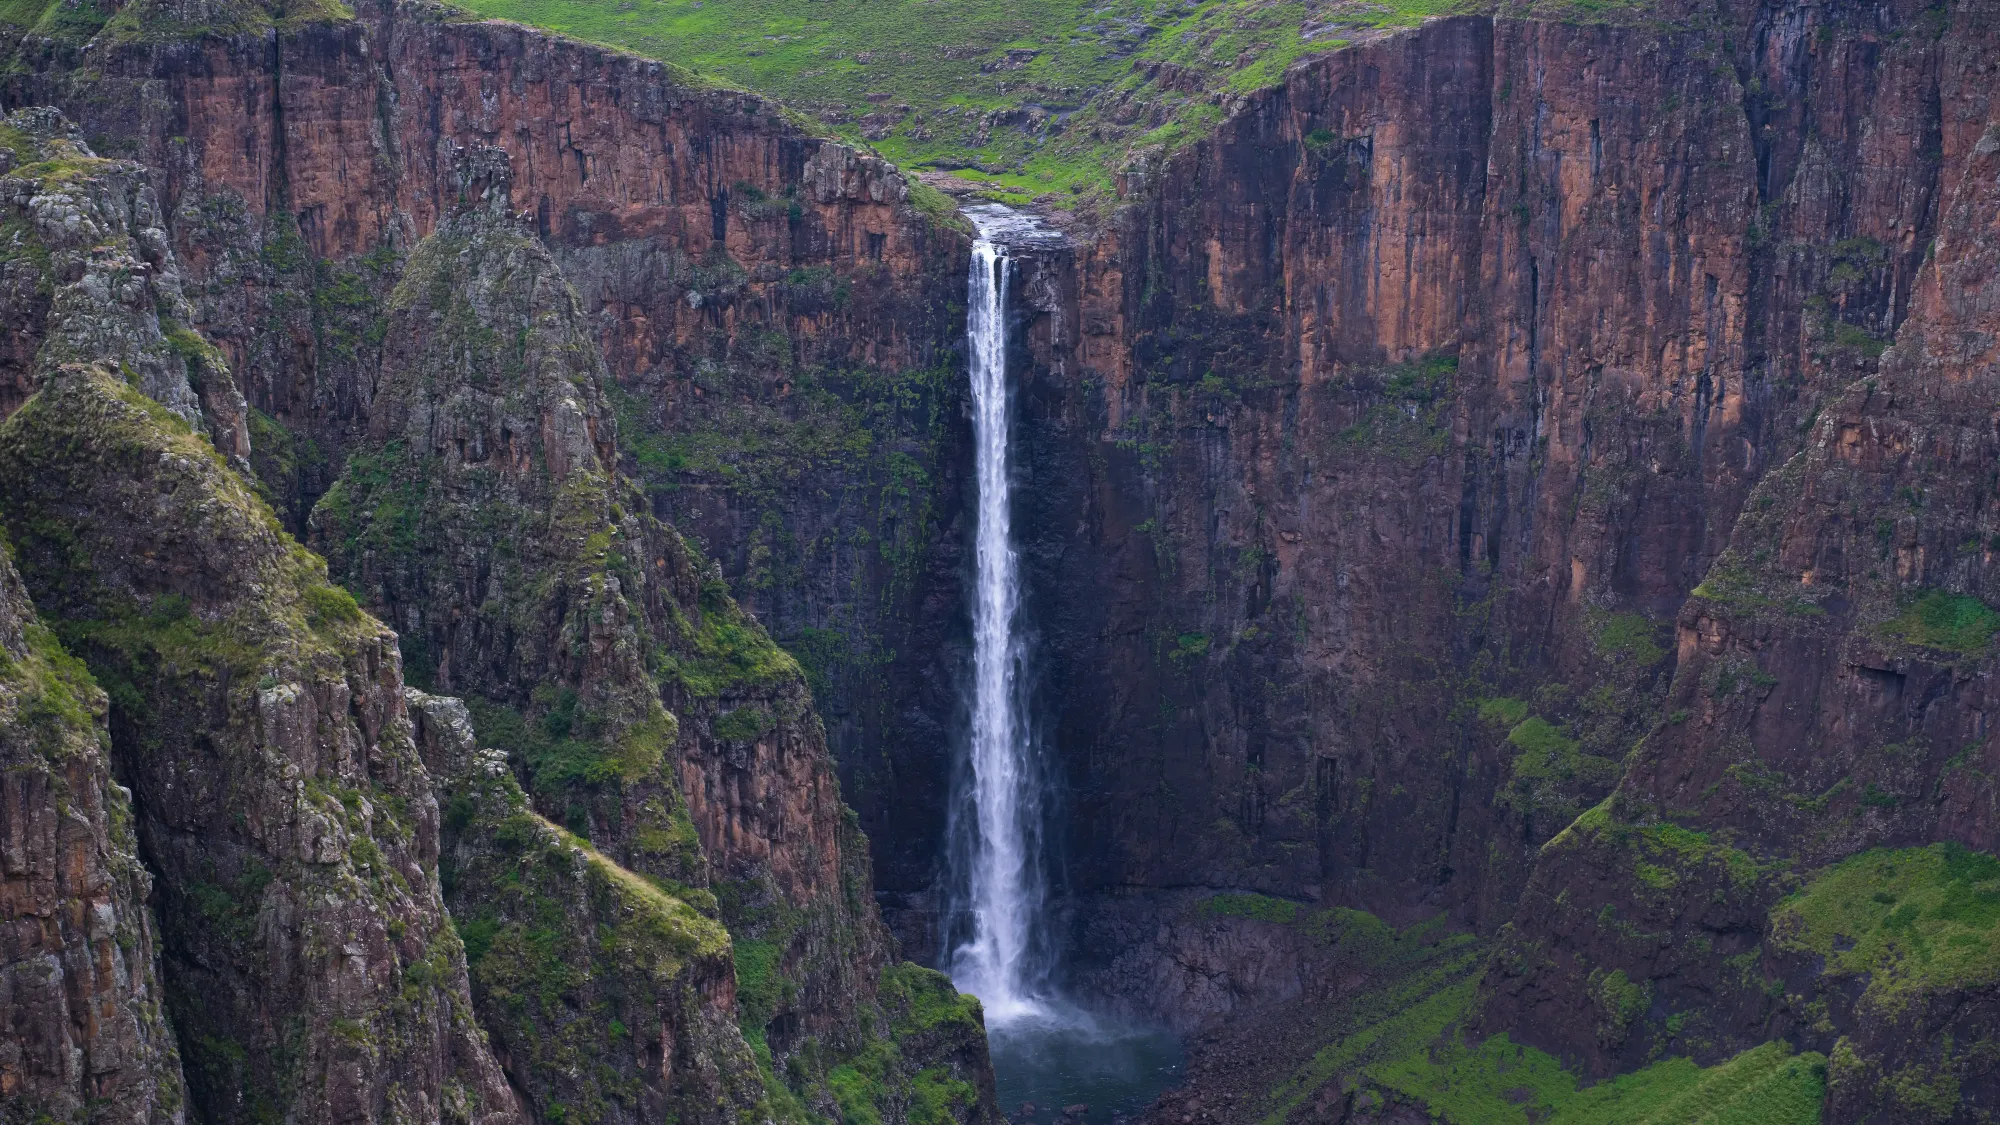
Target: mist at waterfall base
<point x="1046" y="1051"/>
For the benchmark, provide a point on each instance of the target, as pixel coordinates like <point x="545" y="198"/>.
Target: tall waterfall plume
<point x="1002" y="957"/>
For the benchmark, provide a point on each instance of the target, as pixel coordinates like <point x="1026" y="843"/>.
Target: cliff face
<point x="1398" y="420"/>
<point x="255" y="712"/>
<point x="78" y="974"/>
<point x="1830" y="699"/>
<point x="567" y="948"/>
<point x="1470" y="483"/>
<point x="437" y="393"/>
<point x="775" y="314"/>
<point x="485" y="511"/>
<point x="259" y="716"/>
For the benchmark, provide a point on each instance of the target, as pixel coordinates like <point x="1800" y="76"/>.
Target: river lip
<point x="1013" y="230"/>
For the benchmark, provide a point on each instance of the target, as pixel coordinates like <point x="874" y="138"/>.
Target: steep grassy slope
<point x="1385" y="1036"/>
<point x="1043" y="98"/>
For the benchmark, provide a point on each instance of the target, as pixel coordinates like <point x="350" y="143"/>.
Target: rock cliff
<point x="1523" y="477"/>
<point x="306" y="309"/>
<point x="309" y="965"/>
<point x="79" y="978"/>
<point x="1828" y="703"/>
<point x="1399" y="419"/>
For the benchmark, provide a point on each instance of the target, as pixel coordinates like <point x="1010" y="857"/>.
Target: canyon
<point x="1502" y="513"/>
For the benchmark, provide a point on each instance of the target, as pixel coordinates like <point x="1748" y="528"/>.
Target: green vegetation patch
<point x="920" y="1000"/>
<point x="1422" y="982"/>
<point x="1041" y="98"/>
<point x="66" y="22"/>
<point x="1626" y="636"/>
<point x="571" y="954"/>
<point x="1506" y="712"/>
<point x="1403" y="1040"/>
<point x="725" y="650"/>
<point x="1262" y="908"/>
<point x="1913" y="921"/>
<point x="89" y="438"/>
<point x="1547" y="755"/>
<point x="1733" y="583"/>
<point x="154" y="21"/>
<point x="1664" y="855"/>
<point x="1407" y="411"/>
<point x="1942" y="620"/>
<point x="1500" y="1082"/>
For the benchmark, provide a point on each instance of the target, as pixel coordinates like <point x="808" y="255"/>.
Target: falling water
<point x="1045" y="1049"/>
<point x="1003" y="883"/>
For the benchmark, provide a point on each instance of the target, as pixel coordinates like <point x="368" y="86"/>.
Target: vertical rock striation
<point x="84" y="1033"/>
<point x="1829" y="698"/>
<point x="1398" y="419"/>
<point x="258" y="713"/>
<point x="607" y="998"/>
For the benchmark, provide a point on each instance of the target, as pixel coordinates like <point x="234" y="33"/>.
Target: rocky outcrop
<point x="607" y="998"/>
<point x="86" y="275"/>
<point x="84" y="1031"/>
<point x="484" y="515"/>
<point x="485" y="511"/>
<point x="281" y="812"/>
<point x="257" y="713"/>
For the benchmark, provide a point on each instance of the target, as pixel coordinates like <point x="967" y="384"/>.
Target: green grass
<point x="1912" y="921"/>
<point x="1500" y="1082"/>
<point x="1663" y="855"/>
<point x="1548" y="755"/>
<point x="1941" y="620"/>
<point x="922" y="79"/>
<point x="1262" y="908"/>
<point x="1626" y="636"/>
<point x="1404" y="1039"/>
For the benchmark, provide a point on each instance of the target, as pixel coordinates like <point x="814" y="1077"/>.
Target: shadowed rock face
<point x="1833" y="679"/>
<point x="78" y="975"/>
<point x="1387" y="432"/>
<point x="258" y="716"/>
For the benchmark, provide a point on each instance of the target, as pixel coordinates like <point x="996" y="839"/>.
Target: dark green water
<point x="1114" y="1070"/>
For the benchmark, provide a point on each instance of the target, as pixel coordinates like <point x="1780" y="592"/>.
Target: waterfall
<point x="1001" y="877"/>
<point x="997" y="945"/>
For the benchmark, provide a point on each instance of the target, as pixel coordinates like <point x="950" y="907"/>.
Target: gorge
<point x="505" y="602"/>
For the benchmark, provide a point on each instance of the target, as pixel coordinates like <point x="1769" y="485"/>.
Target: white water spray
<point x="1045" y="1048"/>
<point x="1003" y="877"/>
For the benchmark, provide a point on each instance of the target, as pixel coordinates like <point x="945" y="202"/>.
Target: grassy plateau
<point x="1040" y="100"/>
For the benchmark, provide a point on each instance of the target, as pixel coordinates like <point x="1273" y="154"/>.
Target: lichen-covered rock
<point x="87" y="275"/>
<point x="258" y="715"/>
<point x="608" y="999"/>
<point x="83" y="1036"/>
<point x="485" y="518"/>
<point x="486" y="514"/>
